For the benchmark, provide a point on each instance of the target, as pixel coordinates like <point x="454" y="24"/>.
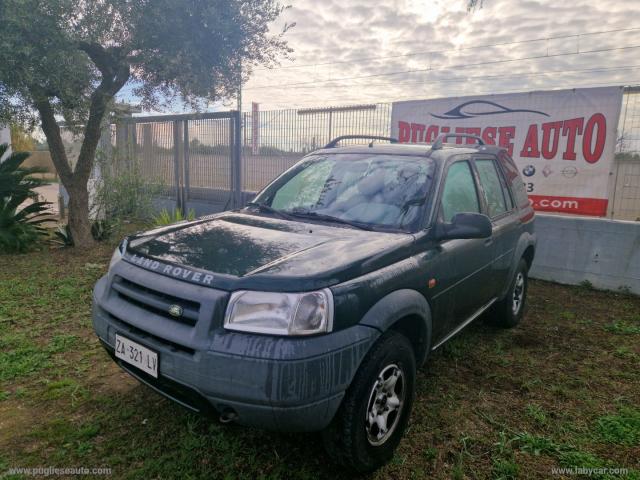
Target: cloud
<point x="355" y="31"/>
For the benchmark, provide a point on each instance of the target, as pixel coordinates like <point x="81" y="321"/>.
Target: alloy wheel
<point x="518" y="293"/>
<point x="386" y="401"/>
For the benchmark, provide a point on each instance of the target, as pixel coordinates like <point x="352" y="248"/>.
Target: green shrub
<point x="20" y="228"/>
<point x="123" y="192"/>
<point x="62" y="236"/>
<point x="100" y="230"/>
<point x="165" y="217"/>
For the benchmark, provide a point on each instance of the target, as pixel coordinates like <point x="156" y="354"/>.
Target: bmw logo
<point x="175" y="311"/>
<point x="529" y="170"/>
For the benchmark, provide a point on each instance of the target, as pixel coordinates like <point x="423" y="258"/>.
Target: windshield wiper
<point x="263" y="207"/>
<point x="327" y="218"/>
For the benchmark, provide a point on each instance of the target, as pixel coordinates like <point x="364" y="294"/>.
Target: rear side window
<point x="459" y="193"/>
<point x="522" y="199"/>
<point x="514" y="179"/>
<point x="505" y="190"/>
<point x="492" y="186"/>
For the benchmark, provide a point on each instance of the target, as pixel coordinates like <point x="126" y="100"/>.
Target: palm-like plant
<point x="19" y="229"/>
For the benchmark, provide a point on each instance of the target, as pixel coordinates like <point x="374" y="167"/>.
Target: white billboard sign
<point x="562" y="141"/>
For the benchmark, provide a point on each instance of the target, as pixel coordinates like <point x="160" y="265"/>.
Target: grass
<point x="622" y="428"/>
<point x="622" y="327"/>
<point x="561" y="390"/>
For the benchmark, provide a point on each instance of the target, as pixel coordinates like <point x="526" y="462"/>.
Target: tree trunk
<point x="79" y="223"/>
<point x="73" y="182"/>
<point x="114" y="76"/>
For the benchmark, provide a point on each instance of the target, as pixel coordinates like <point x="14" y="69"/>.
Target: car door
<point x="470" y="259"/>
<point x="499" y="206"/>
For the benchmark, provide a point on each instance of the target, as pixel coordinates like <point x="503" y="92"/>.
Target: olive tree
<point x="67" y="59"/>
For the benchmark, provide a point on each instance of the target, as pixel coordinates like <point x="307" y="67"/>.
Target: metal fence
<point x="207" y="162"/>
<point x="274" y="140"/>
<point x="625" y="189"/>
<point x="190" y="161"/>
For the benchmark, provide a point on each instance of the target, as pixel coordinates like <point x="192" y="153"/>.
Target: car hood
<point x="240" y="250"/>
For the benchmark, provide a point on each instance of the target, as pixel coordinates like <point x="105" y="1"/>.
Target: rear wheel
<point x="375" y="411"/>
<point x="508" y="312"/>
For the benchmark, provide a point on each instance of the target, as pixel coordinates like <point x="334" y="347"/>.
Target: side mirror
<point x="465" y="225"/>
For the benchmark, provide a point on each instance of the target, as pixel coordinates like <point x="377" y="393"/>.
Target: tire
<point x="352" y="439"/>
<point x="508" y="312"/>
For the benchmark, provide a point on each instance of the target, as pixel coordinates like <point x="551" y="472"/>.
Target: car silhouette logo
<point x="479" y="108"/>
<point x="175" y="311"/>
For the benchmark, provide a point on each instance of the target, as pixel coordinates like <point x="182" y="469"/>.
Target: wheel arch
<point x="524" y="249"/>
<point x="529" y="254"/>
<point x="405" y="311"/>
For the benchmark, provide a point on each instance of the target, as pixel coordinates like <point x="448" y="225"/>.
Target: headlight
<point x="280" y="313"/>
<point x="117" y="255"/>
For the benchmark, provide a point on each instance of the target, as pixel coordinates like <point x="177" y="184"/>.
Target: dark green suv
<point x="311" y="308"/>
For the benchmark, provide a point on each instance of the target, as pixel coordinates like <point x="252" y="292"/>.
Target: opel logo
<point x="175" y="311"/>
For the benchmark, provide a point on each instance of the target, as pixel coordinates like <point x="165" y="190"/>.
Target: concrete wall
<point x="5" y="137"/>
<point x="572" y="250"/>
<point x="40" y="159"/>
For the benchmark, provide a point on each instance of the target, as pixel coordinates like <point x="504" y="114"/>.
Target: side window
<point x="459" y="193"/>
<point x="492" y="186"/>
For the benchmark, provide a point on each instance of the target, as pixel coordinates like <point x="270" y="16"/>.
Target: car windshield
<point x="387" y="191"/>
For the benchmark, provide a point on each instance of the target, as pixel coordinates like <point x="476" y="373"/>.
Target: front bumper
<point x="285" y="384"/>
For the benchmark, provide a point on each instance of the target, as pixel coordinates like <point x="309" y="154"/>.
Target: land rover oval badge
<point x="175" y="311"/>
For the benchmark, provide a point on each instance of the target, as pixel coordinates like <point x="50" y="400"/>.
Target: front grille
<point x="126" y="327"/>
<point x="155" y="301"/>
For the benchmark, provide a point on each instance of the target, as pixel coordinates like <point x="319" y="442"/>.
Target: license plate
<point x="135" y="354"/>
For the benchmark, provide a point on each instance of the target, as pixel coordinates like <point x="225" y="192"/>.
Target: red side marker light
<point x="432" y="282"/>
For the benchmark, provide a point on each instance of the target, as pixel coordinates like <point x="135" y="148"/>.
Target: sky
<point x="353" y="51"/>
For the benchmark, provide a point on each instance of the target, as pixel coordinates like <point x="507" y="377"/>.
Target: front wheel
<point x="375" y="411"/>
<point x="508" y="312"/>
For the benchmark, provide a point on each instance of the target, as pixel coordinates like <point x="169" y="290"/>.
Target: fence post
<point x="176" y="163"/>
<point x="185" y="159"/>
<point x="236" y="149"/>
<point x="121" y="142"/>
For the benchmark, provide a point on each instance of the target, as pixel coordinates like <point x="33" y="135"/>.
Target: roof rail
<point x="337" y="140"/>
<point x="437" y="145"/>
